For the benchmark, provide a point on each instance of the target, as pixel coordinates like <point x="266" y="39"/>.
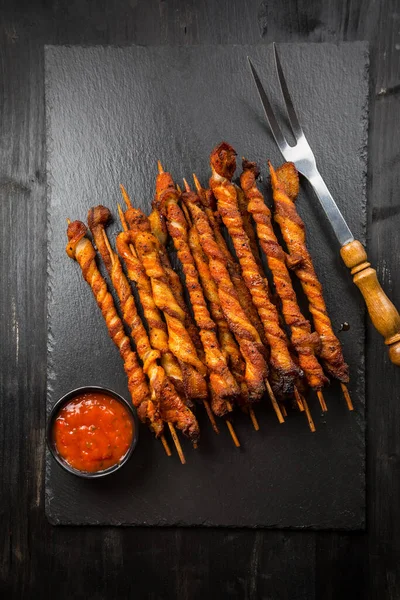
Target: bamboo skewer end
<point x="177" y="443"/>
<point x="254" y="419"/>
<point x="347" y="396"/>
<point x="165" y="444"/>
<point x="322" y="401"/>
<point x="160" y="167"/>
<point x="187" y="186"/>
<point x="233" y="434"/>
<point x="122" y="218"/>
<point x="308" y="415"/>
<point x="125" y="196"/>
<point x="196" y="182"/>
<point x="274" y="402"/>
<point x="299" y="399"/>
<point x="211" y="416"/>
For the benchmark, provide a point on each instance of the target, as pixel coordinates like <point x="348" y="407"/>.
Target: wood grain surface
<point x="39" y="561"/>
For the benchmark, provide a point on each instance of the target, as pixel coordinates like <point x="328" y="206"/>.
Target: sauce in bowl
<point x="93" y="432"/>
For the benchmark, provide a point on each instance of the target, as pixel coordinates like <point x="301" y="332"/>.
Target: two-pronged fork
<point x="383" y="313"/>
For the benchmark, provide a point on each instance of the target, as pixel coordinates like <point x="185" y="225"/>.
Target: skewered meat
<point x="222" y="381"/>
<point x="249" y="341"/>
<point x="285" y="187"/>
<point x="302" y="339"/>
<point x="209" y="204"/>
<point x="163" y="393"/>
<point x="80" y="248"/>
<point x="223" y="165"/>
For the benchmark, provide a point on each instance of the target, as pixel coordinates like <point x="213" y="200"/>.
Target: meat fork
<point x="383" y="313"/>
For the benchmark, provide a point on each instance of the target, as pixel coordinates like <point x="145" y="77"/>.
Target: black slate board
<point x="111" y="112"/>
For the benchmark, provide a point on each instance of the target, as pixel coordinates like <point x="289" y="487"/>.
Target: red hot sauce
<point x="93" y="432"/>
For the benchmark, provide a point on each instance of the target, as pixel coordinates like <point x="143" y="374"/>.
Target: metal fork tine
<point x="269" y="113"/>
<point x="294" y="122"/>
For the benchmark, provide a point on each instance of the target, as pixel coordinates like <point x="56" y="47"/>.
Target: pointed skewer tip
<point x="187" y="186"/>
<point x="160" y="167"/>
<point x="125" y="196"/>
<point x="233" y="434"/>
<point x="196" y="182"/>
<point x="347" y="396"/>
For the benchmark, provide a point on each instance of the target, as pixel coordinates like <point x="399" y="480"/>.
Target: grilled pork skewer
<point x="246" y="335"/>
<point x="209" y="204"/>
<point x="80" y="248"/>
<point x="303" y="340"/>
<point x="194" y="383"/>
<point x="156" y="224"/>
<point x="171" y="407"/>
<point x="223" y="165"/>
<point x="222" y="382"/>
<point x="226" y="338"/>
<point x="157" y="328"/>
<point x="285" y="188"/>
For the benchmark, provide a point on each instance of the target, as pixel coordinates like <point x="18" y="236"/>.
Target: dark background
<point x="40" y="561"/>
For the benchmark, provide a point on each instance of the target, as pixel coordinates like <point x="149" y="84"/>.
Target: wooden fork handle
<point x="383" y="313"/>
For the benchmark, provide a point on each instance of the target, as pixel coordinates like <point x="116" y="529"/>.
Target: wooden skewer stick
<point x="322" y="401"/>
<point x="298" y="399"/>
<point x="274" y="402"/>
<point x="196" y="182"/>
<point x="125" y="196"/>
<point x="112" y="257"/>
<point x="165" y="444"/>
<point x="177" y="443"/>
<point x="253" y="418"/>
<point x="233" y="434"/>
<point x="308" y="414"/>
<point x="283" y="409"/>
<point x="123" y="220"/>
<point x="347" y="396"/>
<point x="211" y="416"/>
<point x="160" y="167"/>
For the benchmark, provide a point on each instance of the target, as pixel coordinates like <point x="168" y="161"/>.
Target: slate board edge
<point x="50" y="370"/>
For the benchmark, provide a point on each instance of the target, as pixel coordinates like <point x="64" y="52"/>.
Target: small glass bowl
<point x="54" y="414"/>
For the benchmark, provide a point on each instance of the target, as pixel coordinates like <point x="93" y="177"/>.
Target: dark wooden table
<point x="40" y="561"/>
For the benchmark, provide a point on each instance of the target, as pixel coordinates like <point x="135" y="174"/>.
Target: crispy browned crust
<point x="163" y="393"/>
<point x="210" y="204"/>
<point x="227" y="340"/>
<point x="226" y="196"/>
<point x="156" y="224"/>
<point x="80" y="248"/>
<point x="285" y="187"/>
<point x="249" y="341"/>
<point x="248" y="227"/>
<point x="157" y="328"/>
<point x="303" y="340"/>
<point x="179" y="340"/>
<point x="222" y="381"/>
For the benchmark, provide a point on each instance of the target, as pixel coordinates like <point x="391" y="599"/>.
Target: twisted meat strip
<point x="163" y="393"/>
<point x="80" y="248"/>
<point x="222" y="381"/>
<point x="303" y="340"/>
<point x="223" y="165"/>
<point x="248" y="339"/>
<point x="285" y="187"/>
<point x="248" y="227"/>
<point x="156" y="224"/>
<point x="179" y="340"/>
<point x="209" y="204"/>
<point x="227" y="340"/>
<point x="157" y="328"/>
